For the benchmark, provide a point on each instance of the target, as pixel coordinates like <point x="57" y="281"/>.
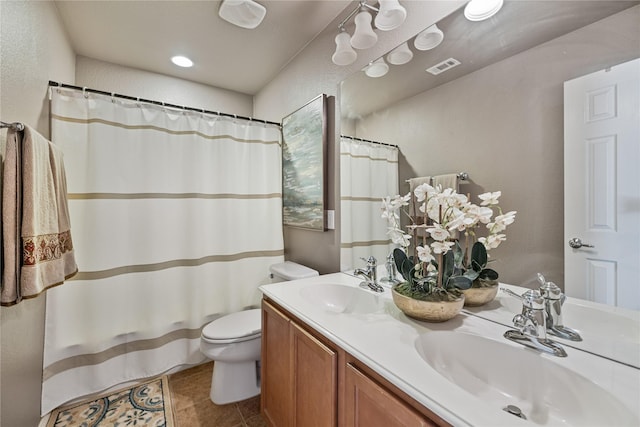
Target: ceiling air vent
<point x="443" y="66"/>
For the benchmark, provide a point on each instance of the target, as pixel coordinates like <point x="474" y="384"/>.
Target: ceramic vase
<point x="430" y="311"/>
<point x="477" y="295"/>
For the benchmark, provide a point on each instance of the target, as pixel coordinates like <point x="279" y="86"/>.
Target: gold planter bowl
<point x="430" y="311"/>
<point x="475" y="297"/>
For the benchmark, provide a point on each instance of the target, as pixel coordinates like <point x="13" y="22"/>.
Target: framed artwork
<point x="304" y="147"/>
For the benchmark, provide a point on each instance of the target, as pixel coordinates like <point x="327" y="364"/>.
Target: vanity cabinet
<point x="308" y="381"/>
<point x="369" y="404"/>
<point x="299" y="374"/>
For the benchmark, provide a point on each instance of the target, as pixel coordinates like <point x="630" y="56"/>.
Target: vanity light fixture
<point x="182" y="61"/>
<point x="389" y="16"/>
<point x="377" y="68"/>
<point x="363" y="37"/>
<point x="400" y="55"/>
<point x="344" y="54"/>
<point x="242" y="13"/>
<point x="479" y="10"/>
<point x="429" y="38"/>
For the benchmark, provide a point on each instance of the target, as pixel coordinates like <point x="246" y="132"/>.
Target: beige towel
<point x="11" y="205"/>
<point x="446" y="181"/>
<point x="45" y="246"/>
<point x="414" y="182"/>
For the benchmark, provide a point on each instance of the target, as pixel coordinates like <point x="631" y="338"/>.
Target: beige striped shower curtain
<point x="177" y="216"/>
<point x="368" y="172"/>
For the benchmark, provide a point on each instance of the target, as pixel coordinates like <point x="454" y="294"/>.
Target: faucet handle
<point x="533" y="299"/>
<point x="551" y="291"/>
<point x="371" y="261"/>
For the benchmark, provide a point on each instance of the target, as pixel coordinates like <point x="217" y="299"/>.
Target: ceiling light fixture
<point x="390" y="16"/>
<point x="479" y="10"/>
<point x="243" y="13"/>
<point x="400" y="55"/>
<point x="182" y="61"/>
<point x="429" y="38"/>
<point x="344" y="54"/>
<point x="377" y="68"/>
<point x="363" y="37"/>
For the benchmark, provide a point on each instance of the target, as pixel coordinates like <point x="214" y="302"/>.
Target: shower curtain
<point x="368" y="172"/>
<point x="177" y="216"/>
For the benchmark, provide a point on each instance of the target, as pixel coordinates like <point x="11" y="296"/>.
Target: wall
<point x="503" y="125"/>
<point x="310" y="73"/>
<point x="157" y="87"/>
<point x="34" y="49"/>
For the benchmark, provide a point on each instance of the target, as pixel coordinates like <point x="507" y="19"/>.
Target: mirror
<point x="498" y="115"/>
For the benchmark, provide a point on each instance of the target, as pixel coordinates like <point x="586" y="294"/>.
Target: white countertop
<point x="385" y="340"/>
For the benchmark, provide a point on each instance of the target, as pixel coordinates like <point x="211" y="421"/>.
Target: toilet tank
<point x="289" y="270"/>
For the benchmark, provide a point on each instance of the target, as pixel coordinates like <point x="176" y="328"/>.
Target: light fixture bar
<point x="363" y="3"/>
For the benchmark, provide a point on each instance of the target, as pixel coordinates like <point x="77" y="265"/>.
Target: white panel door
<point x="602" y="186"/>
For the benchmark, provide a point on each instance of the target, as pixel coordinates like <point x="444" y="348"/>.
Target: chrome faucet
<point x="553" y="301"/>
<point x="532" y="327"/>
<point x="390" y="266"/>
<point x="370" y="274"/>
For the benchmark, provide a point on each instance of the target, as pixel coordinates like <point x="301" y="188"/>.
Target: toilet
<point x="233" y="343"/>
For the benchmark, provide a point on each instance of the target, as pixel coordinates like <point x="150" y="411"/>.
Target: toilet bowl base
<point x="234" y="381"/>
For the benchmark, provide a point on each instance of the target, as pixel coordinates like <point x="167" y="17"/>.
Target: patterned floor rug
<point x="147" y="404"/>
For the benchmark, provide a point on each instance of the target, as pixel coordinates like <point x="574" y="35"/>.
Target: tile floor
<point x="193" y="408"/>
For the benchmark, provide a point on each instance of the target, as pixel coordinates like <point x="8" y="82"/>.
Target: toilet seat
<point x="235" y="327"/>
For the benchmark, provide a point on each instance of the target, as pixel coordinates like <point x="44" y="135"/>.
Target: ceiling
<point x="520" y="25"/>
<point x="146" y="34"/>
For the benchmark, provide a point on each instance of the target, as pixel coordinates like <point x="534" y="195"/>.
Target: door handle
<point x="576" y="243"/>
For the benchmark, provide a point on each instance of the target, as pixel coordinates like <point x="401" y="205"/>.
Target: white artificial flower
<point x="438" y="233"/>
<point x="492" y="241"/>
<point x="424" y="254"/>
<point x="461" y="222"/>
<point x="490" y="198"/>
<point x="398" y="237"/>
<point x="479" y="214"/>
<point x="441" y="247"/>
<point x="506" y="219"/>
<point x="421" y="191"/>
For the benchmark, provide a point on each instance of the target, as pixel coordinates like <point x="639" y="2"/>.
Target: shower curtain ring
<point x="84" y="92"/>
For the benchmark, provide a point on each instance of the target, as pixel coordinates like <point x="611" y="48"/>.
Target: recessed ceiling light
<point x="479" y="10"/>
<point x="182" y="61"/>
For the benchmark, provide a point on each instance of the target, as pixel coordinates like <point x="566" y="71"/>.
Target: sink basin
<point x="502" y="375"/>
<point x="338" y="298"/>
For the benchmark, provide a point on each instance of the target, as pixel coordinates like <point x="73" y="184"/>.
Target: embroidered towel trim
<point x="41" y="213"/>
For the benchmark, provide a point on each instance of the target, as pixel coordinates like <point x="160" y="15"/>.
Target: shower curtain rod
<point x="15" y="126"/>
<point x="368" y="140"/>
<point x="164" y="104"/>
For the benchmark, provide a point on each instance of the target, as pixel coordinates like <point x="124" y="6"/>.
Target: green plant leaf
<point x="488" y="274"/>
<point x="460" y="282"/>
<point x="447" y="266"/>
<point x="458" y="256"/>
<point x="478" y="256"/>
<point x="402" y="264"/>
<point x="471" y="275"/>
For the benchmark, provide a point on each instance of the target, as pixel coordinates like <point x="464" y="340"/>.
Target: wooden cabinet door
<point x="367" y="404"/>
<point x="315" y="381"/>
<point x="276" y="369"/>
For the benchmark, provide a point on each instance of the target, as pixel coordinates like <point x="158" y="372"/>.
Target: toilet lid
<point x="240" y="325"/>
